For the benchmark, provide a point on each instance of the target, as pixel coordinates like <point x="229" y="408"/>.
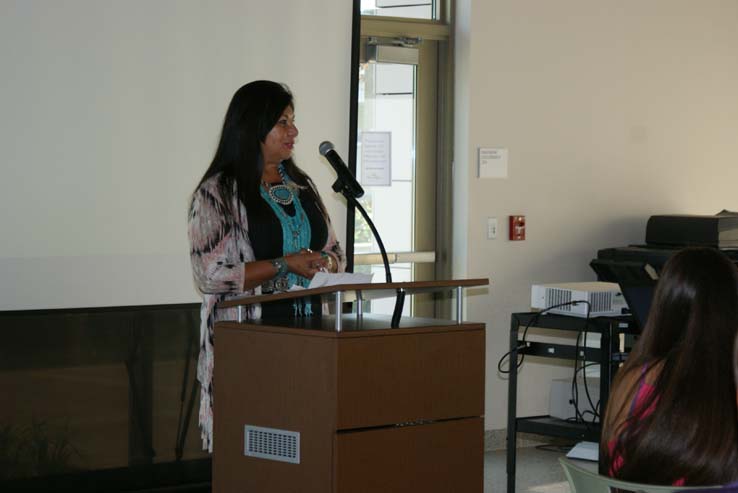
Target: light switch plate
<point x="491" y="228"/>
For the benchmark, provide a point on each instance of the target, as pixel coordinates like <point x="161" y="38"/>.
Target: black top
<point x="265" y="233"/>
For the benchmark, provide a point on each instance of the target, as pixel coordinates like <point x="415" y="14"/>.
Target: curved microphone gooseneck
<point x="347" y="185"/>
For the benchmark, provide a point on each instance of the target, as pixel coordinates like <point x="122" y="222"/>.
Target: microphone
<point x="346" y="183"/>
<point x="350" y="188"/>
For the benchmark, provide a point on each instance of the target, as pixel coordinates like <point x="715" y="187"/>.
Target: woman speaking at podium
<point x="256" y="222"/>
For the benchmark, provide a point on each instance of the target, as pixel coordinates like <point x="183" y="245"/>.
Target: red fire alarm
<point x="517" y="228"/>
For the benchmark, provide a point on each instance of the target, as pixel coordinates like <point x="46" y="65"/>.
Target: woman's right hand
<point x="305" y="263"/>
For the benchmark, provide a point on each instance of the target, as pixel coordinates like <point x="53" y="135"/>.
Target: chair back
<point x="582" y="480"/>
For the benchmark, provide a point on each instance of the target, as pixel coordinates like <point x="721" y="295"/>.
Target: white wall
<point x="612" y="111"/>
<point x="110" y="113"/>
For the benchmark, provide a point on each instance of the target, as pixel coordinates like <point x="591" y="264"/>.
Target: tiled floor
<point x="538" y="471"/>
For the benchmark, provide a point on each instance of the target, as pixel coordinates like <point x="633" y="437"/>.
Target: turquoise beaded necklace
<point x="296" y="234"/>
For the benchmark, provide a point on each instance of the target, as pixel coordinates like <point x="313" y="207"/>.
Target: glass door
<point x="396" y="162"/>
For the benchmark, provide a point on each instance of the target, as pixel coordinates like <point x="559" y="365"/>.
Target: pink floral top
<point x="219" y="249"/>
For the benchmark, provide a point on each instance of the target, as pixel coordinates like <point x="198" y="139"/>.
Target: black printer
<point x="666" y="234"/>
<point x="636" y="267"/>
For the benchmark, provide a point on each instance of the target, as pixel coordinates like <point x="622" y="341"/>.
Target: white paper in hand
<point x="321" y="279"/>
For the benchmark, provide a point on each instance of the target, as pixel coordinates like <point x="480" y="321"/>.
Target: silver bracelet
<point x="280" y="265"/>
<point x="276" y="285"/>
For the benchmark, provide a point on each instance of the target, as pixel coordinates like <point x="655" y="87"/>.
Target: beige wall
<point x="612" y="111"/>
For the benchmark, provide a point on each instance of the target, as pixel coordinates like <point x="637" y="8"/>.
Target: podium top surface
<point x="352" y="292"/>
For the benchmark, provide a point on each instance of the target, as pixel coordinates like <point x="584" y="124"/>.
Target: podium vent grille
<point x="272" y="444"/>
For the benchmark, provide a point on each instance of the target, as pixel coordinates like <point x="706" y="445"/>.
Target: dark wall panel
<point x="106" y="393"/>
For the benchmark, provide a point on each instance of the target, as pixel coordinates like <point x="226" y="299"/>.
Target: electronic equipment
<point x="720" y="230"/>
<point x="665" y="235"/>
<point x="638" y="296"/>
<point x="604" y="298"/>
<point x="636" y="268"/>
<point x="561" y="398"/>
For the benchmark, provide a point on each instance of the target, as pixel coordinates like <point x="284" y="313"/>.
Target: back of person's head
<point x="688" y="427"/>
<point x="695" y="306"/>
<point x="733" y="487"/>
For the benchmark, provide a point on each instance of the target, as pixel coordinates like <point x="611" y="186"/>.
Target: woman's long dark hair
<point x="254" y="110"/>
<point x="692" y="430"/>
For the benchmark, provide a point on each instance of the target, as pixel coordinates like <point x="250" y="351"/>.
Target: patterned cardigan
<point x="219" y="248"/>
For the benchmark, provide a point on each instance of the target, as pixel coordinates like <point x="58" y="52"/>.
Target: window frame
<point x="439" y="30"/>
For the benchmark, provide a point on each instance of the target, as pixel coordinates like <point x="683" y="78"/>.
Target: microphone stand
<point x="340" y="187"/>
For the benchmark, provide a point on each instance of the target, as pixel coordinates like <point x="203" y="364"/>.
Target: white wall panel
<point x="109" y="115"/>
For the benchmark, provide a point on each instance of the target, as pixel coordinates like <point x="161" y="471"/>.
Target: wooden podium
<point x="346" y="404"/>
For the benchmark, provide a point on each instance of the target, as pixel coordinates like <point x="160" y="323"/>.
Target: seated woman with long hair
<point x="671" y="418"/>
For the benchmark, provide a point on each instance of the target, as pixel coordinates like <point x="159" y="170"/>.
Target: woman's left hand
<point x="305" y="263"/>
